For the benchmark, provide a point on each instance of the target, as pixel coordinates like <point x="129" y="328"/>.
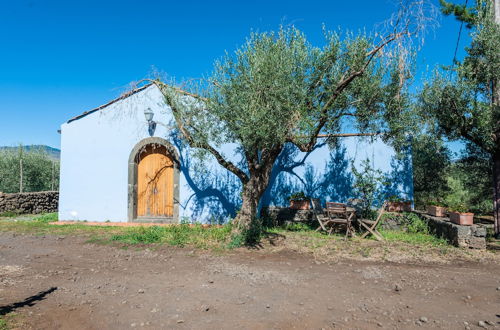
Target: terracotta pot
<point x="299" y="204"/>
<point x="464" y="219"/>
<point x="398" y="206"/>
<point x="436" y="211"/>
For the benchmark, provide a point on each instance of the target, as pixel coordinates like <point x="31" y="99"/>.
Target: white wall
<point x="94" y="157"/>
<point x="95" y="151"/>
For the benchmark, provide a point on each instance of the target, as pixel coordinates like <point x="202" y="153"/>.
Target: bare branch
<point x="187" y="135"/>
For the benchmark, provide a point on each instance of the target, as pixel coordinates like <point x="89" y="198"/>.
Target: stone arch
<point x="132" y="178"/>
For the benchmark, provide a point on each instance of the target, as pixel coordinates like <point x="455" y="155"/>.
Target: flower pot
<point x="302" y="204"/>
<point x="464" y="219"/>
<point x="436" y="211"/>
<point x="398" y="206"/>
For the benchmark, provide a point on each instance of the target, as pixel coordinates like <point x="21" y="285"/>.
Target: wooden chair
<point x="335" y="215"/>
<point x="371" y="226"/>
<point x="336" y="210"/>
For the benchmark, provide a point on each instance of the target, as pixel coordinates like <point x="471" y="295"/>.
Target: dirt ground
<point x="56" y="282"/>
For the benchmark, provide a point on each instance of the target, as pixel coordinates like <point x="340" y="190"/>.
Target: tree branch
<point x="199" y="144"/>
<point x="342" y="85"/>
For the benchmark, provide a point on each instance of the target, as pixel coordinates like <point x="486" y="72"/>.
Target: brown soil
<point x="53" y="282"/>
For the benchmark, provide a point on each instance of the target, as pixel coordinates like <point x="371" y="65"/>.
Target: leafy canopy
<point x="278" y="88"/>
<point x="461" y="101"/>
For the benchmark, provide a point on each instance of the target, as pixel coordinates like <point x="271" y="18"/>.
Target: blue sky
<point x="60" y="58"/>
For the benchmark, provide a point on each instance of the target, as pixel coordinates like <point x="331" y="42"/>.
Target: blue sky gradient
<point x="60" y="58"/>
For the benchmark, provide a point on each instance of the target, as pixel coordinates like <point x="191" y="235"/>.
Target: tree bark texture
<point x="496" y="192"/>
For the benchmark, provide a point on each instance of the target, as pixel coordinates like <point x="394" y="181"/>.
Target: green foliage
<point x="367" y="186"/>
<point x="40" y="171"/>
<point x="297" y="226"/>
<point x="461" y="107"/>
<point x="180" y="235"/>
<point x="431" y="162"/>
<point x="253" y="234"/>
<point x="278" y="89"/>
<point x="414" y="224"/>
<point x="298" y="196"/>
<point x="409" y="222"/>
<point x="9" y="214"/>
<point x="237" y="240"/>
<point x="461" y="12"/>
<point x="474" y="168"/>
<point x="47" y="217"/>
<point x="458" y="199"/>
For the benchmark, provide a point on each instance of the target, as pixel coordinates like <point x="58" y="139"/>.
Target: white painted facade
<point x="96" y="147"/>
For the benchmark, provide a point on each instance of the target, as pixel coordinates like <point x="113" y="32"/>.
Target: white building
<point x="113" y="169"/>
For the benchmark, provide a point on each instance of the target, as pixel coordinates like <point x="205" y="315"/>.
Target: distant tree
<point x="465" y="103"/>
<point x="431" y="162"/>
<point x="278" y="89"/>
<point x="474" y="168"/>
<point x="28" y="170"/>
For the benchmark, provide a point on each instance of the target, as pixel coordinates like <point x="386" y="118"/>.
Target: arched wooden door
<point x="155" y="183"/>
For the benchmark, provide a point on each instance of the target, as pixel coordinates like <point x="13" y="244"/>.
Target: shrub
<point x="47" y="217"/>
<point x="408" y="222"/>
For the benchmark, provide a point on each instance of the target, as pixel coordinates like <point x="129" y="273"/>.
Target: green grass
<point x="47" y="217"/>
<point x="215" y="238"/>
<point x="9" y="321"/>
<point x="412" y="238"/>
<point x="8" y="214"/>
<point x="181" y="235"/>
<point x="3" y="324"/>
<point x="35" y="227"/>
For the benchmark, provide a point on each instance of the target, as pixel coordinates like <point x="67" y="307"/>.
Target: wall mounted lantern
<point x="148" y="113"/>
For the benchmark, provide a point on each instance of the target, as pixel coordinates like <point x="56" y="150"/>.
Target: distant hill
<point x="52" y="152"/>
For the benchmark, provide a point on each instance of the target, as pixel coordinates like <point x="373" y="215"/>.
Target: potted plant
<point x="460" y="216"/>
<point x="299" y="201"/>
<point x="436" y="209"/>
<point x="396" y="204"/>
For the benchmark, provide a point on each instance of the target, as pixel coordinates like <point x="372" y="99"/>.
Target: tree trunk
<point x="254" y="188"/>
<point x="496" y="192"/>
<point x="251" y="194"/>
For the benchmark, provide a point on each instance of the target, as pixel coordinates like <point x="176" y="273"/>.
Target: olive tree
<point x="278" y="89"/>
<point x="25" y="169"/>
<point x="465" y="104"/>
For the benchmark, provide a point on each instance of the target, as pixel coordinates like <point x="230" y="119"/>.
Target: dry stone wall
<point x="473" y="237"/>
<point x="31" y="202"/>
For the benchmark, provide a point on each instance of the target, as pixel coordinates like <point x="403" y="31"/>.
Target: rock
<point x="482" y="324"/>
<point x="180" y="321"/>
<point x="268" y="306"/>
<point x="141" y="291"/>
<point x="397" y="288"/>
<point x="205" y="308"/>
<point x="423" y="319"/>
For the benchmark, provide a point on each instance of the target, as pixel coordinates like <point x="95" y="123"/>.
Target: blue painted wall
<point x="94" y="167"/>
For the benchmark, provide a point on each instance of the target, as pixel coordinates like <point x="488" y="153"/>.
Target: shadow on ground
<point x="30" y="301"/>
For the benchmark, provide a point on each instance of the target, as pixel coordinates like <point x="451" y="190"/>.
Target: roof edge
<point x="122" y="97"/>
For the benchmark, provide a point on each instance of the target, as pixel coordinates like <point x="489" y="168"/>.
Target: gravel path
<point x="53" y="282"/>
